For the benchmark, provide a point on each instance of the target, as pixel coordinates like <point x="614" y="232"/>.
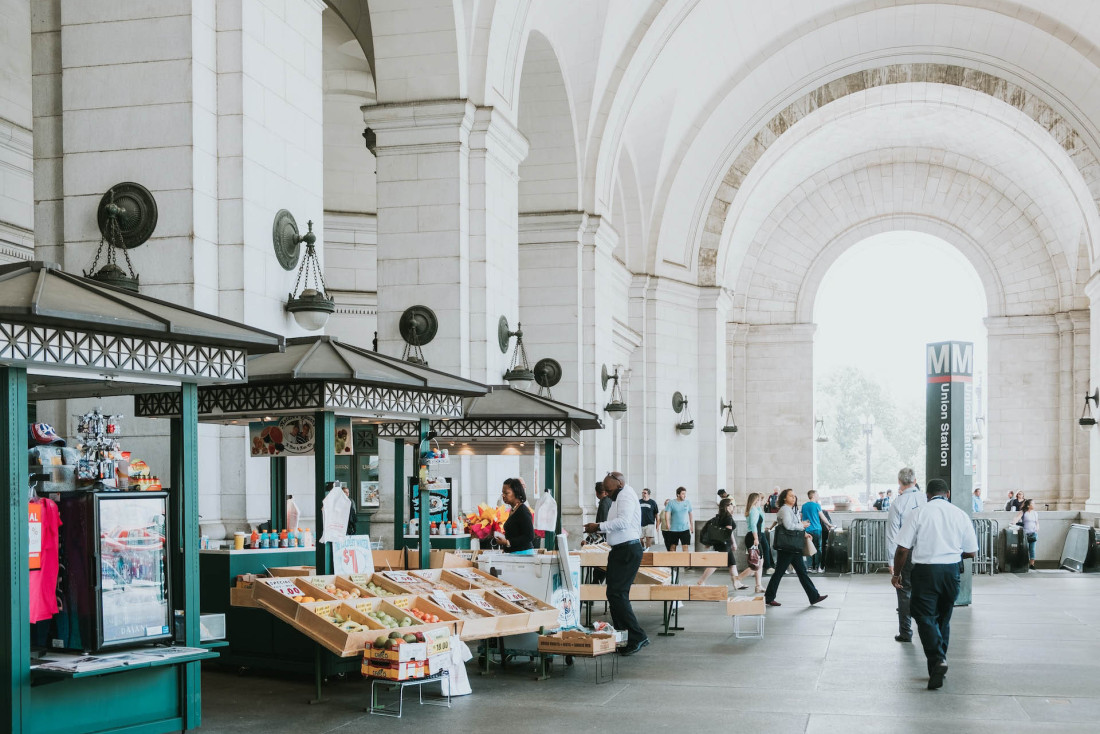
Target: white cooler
<point x="539" y="576"/>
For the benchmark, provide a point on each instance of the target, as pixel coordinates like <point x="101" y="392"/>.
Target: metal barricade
<point x="985" y="562"/>
<point x="867" y="545"/>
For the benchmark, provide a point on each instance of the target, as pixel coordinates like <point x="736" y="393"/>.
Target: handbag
<point x="713" y="533"/>
<point x="791" y="541"/>
<point x="754" y="557"/>
<point x="808" y="548"/>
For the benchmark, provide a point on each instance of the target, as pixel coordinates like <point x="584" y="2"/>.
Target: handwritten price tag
<point x="466" y="574"/>
<point x="444" y="603"/>
<point x="401" y="602"/>
<point x="400" y="577"/>
<point x="479" y="601"/>
<point x="359" y="579"/>
<point x="286" y="587"/>
<point x="510" y="594"/>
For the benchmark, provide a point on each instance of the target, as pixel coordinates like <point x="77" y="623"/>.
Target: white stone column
<point x="16" y="180"/>
<point x="1092" y="503"/>
<point x="1025" y="407"/>
<point x="737" y="453"/>
<point x="714" y="305"/>
<point x="778" y="414"/>
<point x="1073" y="378"/>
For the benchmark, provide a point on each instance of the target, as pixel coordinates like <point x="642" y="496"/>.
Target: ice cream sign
<point x="295" y="435"/>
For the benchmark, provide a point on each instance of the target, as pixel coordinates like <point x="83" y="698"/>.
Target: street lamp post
<point x="868" y="423"/>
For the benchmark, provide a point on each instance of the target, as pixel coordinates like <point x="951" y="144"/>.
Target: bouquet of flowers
<point x="487" y="520"/>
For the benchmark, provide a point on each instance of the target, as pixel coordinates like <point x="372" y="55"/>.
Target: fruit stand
<point x="319" y="378"/>
<point x="62" y="337"/>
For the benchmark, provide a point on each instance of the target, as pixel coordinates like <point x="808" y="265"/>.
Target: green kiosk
<point x="65" y="337"/>
<point x="311" y="384"/>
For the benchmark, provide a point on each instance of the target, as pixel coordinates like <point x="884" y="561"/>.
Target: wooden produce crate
<point x="709" y="593"/>
<point x="666" y="558"/>
<point x="598" y="592"/>
<point x="427" y="606"/>
<point x="507" y="617"/>
<point x="292" y="571"/>
<point x="669" y="592"/>
<point x="404" y="581"/>
<point x="709" y="559"/>
<point x="477" y="577"/>
<point x="443" y="580"/>
<point x="653" y="575"/>
<point x="364" y="606"/>
<point x="242" y="597"/>
<point x="345" y="589"/>
<point x="738" y="605"/>
<point x="542" y="614"/>
<point x="313" y="621"/>
<point x="277" y="596"/>
<point x="572" y="642"/>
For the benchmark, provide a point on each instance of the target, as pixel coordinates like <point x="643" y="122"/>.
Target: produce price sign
<point x="509" y="594"/>
<point x="287" y="587"/>
<point x="352" y="555"/>
<point x="466" y="574"/>
<point x="440" y="600"/>
<point x="400" y="577"/>
<point x="360" y="579"/>
<point x="479" y="601"/>
<point x="401" y="602"/>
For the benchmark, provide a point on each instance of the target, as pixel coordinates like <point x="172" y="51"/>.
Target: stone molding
<point x="1033" y="325"/>
<point x="552" y="228"/>
<point x="351" y="228"/>
<point x="422" y="126"/>
<point x="780" y="333"/>
<point x="500" y="140"/>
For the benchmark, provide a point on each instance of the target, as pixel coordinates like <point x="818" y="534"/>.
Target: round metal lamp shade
<point x="418" y="325"/>
<point x="548" y="372"/>
<point x="138" y="216"/>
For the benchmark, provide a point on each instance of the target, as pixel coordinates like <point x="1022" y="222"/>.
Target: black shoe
<point x="903" y="638"/>
<point x="630" y="649"/>
<point x="773" y="603"/>
<point x="935" y="678"/>
<point x="819" y="599"/>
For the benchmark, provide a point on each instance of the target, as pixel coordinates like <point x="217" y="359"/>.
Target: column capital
<point x="599" y="234"/>
<point x="408" y="126"/>
<point x="715" y="298"/>
<point x="499" y="138"/>
<point x="538" y="228"/>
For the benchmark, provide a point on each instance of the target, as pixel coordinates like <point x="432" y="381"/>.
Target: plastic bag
<point x="546" y="513"/>
<point x="458" y="681"/>
<point x="335" y="510"/>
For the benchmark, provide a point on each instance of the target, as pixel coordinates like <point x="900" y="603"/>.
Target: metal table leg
<point x="317" y="674"/>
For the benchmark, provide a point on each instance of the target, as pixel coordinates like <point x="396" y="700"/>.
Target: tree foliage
<point x="843" y="397"/>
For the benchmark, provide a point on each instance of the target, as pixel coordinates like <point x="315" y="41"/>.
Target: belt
<point x="627" y="542"/>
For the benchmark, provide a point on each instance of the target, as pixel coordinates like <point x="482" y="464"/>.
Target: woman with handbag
<point x="1029" y="519"/>
<point x="756" y="540"/>
<point x="790" y="544"/>
<point x="725" y="522"/>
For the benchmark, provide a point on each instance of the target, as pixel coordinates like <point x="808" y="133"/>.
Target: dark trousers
<point x="816" y="559"/>
<point x="905" y="622"/>
<point x="935" y="587"/>
<point x="766" y="551"/>
<point x="622" y="565"/>
<point x="668" y="537"/>
<point x="790" y="558"/>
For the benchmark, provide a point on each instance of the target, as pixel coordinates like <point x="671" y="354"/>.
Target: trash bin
<point x="1092" y="559"/>
<point x="836" y="551"/>
<point x="1015" y="550"/>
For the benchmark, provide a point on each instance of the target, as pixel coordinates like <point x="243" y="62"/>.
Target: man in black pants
<point x="623" y="529"/>
<point x="939" y="535"/>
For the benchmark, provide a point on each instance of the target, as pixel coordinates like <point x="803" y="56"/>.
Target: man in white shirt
<point x="938" y="535"/>
<point x="909" y="497"/>
<point x="623" y="529"/>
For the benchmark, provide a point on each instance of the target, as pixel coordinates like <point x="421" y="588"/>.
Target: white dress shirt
<point x="937" y="532"/>
<point x="624" y="520"/>
<point x="899" y="508"/>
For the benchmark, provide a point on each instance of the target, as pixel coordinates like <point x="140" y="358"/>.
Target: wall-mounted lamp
<point x="418" y="326"/>
<point x="519" y="374"/>
<point x="1087" y="421"/>
<point x="979" y="429"/>
<point x="820" y="436"/>
<point x="127" y="216"/>
<point x="727" y="409"/>
<point x="686" y="424"/>
<point x="616" y="407"/>
<point x="547" y="374"/>
<point x="309" y="303"/>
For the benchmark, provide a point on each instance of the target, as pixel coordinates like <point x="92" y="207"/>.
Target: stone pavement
<point x="1024" y="658"/>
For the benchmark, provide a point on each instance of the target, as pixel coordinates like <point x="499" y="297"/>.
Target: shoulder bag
<point x="792" y="541"/>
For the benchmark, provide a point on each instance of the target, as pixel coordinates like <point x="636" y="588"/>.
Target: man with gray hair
<point x="909" y="496"/>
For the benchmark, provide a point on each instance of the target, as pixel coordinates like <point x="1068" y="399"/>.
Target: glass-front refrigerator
<point x="123" y="535"/>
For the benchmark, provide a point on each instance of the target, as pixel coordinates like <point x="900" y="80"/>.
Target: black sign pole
<point x="949" y="413"/>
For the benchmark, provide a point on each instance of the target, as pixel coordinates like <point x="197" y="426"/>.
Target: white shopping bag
<point x="335" y="510"/>
<point x="457" y="683"/>
<point x="546" y="513"/>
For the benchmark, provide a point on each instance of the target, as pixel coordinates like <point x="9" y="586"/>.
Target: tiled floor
<point x="1025" y="657"/>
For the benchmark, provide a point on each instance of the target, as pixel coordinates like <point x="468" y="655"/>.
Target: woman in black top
<point x="727" y="523"/>
<point x="519" y="528"/>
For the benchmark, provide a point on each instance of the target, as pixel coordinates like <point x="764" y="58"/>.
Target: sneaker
<point x="631" y="649"/>
<point x="935" y="678"/>
<point x="903" y="638"/>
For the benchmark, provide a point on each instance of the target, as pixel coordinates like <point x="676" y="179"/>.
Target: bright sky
<point x="887" y="297"/>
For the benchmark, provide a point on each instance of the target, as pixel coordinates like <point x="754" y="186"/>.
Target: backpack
<point x="713" y="533"/>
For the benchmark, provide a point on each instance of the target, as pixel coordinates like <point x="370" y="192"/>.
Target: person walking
<point x="936" y="536"/>
<point x="812" y="513"/>
<point x="724" y="520"/>
<point x="978" y="504"/>
<point x="623" y="529"/>
<point x="1029" y="518"/>
<point x="909" y="498"/>
<point x="649" y="519"/>
<point x="772" y="505"/>
<point x="681" y="520"/>
<point x="664" y="520"/>
<point x="790" y="537"/>
<point x="756" y="539"/>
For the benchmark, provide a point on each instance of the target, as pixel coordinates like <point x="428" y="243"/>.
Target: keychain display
<point x="99" y="448"/>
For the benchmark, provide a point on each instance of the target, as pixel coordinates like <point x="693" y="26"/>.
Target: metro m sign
<point x="946" y="360"/>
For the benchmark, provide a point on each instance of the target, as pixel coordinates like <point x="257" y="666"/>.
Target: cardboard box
<point x="709" y="559"/>
<point x="312" y="621"/>
<point x="594" y="555"/>
<point x="396" y="671"/>
<point x="438" y="641"/>
<point x="572" y="642"/>
<point x="666" y="558"/>
<point x="738" y="605"/>
<point x="670" y="592"/>
<point x="400" y="654"/>
<point x="436" y="663"/>
<point x="460" y="559"/>
<point x="293" y="571"/>
<point x="395" y="559"/>
<point x="242" y="597"/>
<point x="709" y="593"/>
